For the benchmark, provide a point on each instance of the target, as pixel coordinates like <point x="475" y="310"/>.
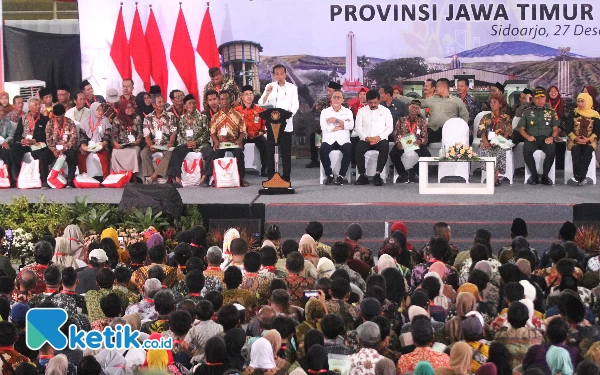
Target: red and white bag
<point x="225" y="173"/>
<point x="4" y="177"/>
<point x="29" y="177"/>
<point x="84" y="181"/>
<point x="57" y="179"/>
<point x="117" y="179"/>
<point x="191" y="172"/>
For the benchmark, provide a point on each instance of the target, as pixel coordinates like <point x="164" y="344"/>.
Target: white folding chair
<point x="477" y="141"/>
<point x="371" y="165"/>
<point x="591" y="172"/>
<point x="335" y="156"/>
<point x="539" y="158"/>
<point x="518" y="160"/>
<point x="455" y="130"/>
<point x="251" y="157"/>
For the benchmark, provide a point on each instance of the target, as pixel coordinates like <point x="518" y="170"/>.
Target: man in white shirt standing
<point x="374" y="124"/>
<point x="284" y="95"/>
<point x="336" y="123"/>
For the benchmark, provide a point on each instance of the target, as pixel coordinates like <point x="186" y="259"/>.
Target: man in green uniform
<point x="538" y="127"/>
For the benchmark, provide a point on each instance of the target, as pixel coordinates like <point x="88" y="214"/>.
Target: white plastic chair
<point x="455" y="130"/>
<point x="371" y="165"/>
<point x="335" y="156"/>
<point x="476" y="141"/>
<point x="251" y="157"/>
<point x="539" y="158"/>
<point x="591" y="173"/>
<point x="518" y="160"/>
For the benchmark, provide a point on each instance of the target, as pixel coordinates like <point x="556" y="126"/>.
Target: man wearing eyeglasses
<point x="176" y="109"/>
<point x="336" y="124"/>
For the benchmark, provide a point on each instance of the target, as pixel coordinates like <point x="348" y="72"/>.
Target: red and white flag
<point x="183" y="56"/>
<point x="139" y="51"/>
<point x="208" y="51"/>
<point x="159" y="71"/>
<point x="119" y="50"/>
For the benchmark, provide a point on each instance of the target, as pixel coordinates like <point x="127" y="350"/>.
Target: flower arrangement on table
<point x="459" y="152"/>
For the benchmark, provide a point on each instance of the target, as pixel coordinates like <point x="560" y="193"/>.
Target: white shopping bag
<point x="29" y="177"/>
<point x="4" y="177"/>
<point x="225" y="173"/>
<point x="191" y="172"/>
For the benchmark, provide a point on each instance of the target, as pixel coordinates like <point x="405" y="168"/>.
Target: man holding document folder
<point x="410" y="135"/>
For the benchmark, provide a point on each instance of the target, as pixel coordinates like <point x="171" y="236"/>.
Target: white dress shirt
<point x="284" y="97"/>
<point x="374" y="123"/>
<point x="340" y="136"/>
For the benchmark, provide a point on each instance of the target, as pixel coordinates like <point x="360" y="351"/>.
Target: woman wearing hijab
<point x="234" y="342"/>
<point x="5" y="103"/>
<point x="460" y="360"/>
<point x="501" y="357"/>
<point x="314" y="312"/>
<point x="95" y="130"/>
<point x="402" y="228"/>
<point x="395" y="246"/>
<point x="591" y="90"/>
<point x="385" y="261"/>
<point x="59" y="365"/>
<point x="112" y="362"/>
<point x="114" y="236"/>
<point x="275" y="339"/>
<point x="215" y="358"/>
<point x="465" y="303"/>
<point x="395" y="290"/>
<point x="487" y="369"/>
<point x="126" y="138"/>
<point x="556" y="102"/>
<point x="308" y="249"/>
<point x="317" y="361"/>
<point x="559" y="361"/>
<point x="441" y="299"/>
<point x="77" y="250"/>
<point x="440" y="269"/>
<point x="583" y="131"/>
<point x="496" y="123"/>
<point x="262" y="361"/>
<point x="424" y="368"/>
<point x="385" y="366"/>
<point x="143" y="104"/>
<point x="198" y="244"/>
<point x="62" y="254"/>
<point x="155" y="239"/>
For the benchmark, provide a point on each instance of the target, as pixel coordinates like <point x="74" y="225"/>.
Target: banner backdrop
<point x="493" y="40"/>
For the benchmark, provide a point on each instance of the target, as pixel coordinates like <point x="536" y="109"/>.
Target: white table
<point x="455" y="188"/>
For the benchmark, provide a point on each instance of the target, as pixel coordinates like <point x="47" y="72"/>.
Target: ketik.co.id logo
<point x="43" y="326"/>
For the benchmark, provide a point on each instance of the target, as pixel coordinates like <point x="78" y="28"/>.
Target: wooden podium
<point x="275" y="118"/>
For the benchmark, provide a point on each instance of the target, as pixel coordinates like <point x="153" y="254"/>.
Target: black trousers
<point x="314" y="151"/>
<point x="434" y="136"/>
<point x="261" y="145"/>
<point x="582" y="156"/>
<point x="44" y="155"/>
<point x="346" y="150"/>
<point x="211" y="155"/>
<point x="361" y="149"/>
<point x="71" y="160"/>
<point x="285" y="151"/>
<point x="179" y="155"/>
<point x="354" y="141"/>
<point x="396" y="157"/>
<point x="539" y="144"/>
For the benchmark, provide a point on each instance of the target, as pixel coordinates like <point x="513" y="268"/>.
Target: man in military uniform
<point x="320" y="105"/>
<point x="219" y="83"/>
<point x="538" y="127"/>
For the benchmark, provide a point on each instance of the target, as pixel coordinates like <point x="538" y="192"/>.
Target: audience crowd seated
<point x="456" y="312"/>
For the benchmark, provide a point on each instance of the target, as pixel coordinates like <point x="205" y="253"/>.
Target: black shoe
<point x="412" y="176"/>
<point x="70" y="183"/>
<point x="205" y="183"/>
<point x="340" y="180"/>
<point x="377" y="180"/>
<point x="546" y="181"/>
<point x="533" y="180"/>
<point x="45" y="185"/>
<point x="403" y="178"/>
<point x="312" y="164"/>
<point x="328" y="180"/>
<point x="362" y="180"/>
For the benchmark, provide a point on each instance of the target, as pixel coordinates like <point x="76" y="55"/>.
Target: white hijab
<point x="261" y="355"/>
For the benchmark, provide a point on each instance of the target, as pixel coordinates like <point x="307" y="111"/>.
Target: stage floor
<point x="308" y="190"/>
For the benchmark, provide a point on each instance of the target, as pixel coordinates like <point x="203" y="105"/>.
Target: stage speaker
<point x="163" y="198"/>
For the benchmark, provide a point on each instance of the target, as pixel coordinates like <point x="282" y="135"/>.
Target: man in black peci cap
<point x="88" y="91"/>
<point x="538" y="127"/>
<point x="63" y="94"/>
<point x="255" y="126"/>
<point x="45" y="96"/>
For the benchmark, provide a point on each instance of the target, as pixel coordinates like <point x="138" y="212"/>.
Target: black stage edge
<point x="586" y="214"/>
<point x="232" y="211"/>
